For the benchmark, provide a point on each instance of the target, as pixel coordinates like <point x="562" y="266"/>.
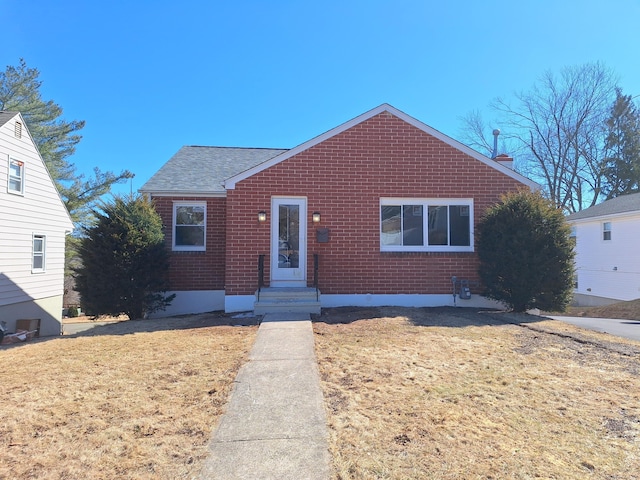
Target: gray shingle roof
<point x="203" y="170"/>
<point x="6" y="116"/>
<point x="622" y="204"/>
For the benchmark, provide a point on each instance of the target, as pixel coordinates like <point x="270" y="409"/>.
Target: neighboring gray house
<point x="33" y="226"/>
<point x="607" y="259"/>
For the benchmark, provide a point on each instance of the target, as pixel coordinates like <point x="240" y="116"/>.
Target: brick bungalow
<point x="377" y="211"/>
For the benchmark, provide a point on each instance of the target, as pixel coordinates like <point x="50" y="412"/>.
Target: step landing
<point x="287" y="300"/>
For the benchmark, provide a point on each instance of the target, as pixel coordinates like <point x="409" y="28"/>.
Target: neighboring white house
<point x="607" y="256"/>
<point x="33" y="226"/>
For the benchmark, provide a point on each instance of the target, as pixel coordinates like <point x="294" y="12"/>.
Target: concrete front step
<point x="287" y="300"/>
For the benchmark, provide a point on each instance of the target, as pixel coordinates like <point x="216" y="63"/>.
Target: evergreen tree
<point x="622" y="170"/>
<point x="56" y="140"/>
<point x="124" y="260"/>
<point x="526" y="257"/>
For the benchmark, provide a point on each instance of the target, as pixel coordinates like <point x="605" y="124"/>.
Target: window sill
<point x="426" y="253"/>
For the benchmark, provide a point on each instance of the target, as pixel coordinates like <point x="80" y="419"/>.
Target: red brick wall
<point x="197" y="270"/>
<point x="344" y="178"/>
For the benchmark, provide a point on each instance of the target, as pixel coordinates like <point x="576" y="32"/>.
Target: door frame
<point x="291" y="277"/>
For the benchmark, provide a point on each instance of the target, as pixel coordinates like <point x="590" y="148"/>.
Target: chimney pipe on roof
<point x="506" y="160"/>
<point x="496" y="132"/>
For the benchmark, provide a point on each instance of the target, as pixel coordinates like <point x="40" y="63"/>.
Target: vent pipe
<point x="496" y="132"/>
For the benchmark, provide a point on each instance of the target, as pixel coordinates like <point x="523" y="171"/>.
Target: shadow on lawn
<point x="427" y="316"/>
<point x="182" y="322"/>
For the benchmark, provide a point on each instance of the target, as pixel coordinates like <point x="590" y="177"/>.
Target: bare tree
<point x="559" y="131"/>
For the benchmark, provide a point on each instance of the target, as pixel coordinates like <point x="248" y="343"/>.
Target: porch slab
<point x="283" y="300"/>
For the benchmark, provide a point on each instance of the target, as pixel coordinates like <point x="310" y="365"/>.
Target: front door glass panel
<point x="288" y="236"/>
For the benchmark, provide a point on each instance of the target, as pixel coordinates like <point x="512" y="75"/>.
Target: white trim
<point x="230" y="183"/>
<point x="188" y="248"/>
<point x="21" y="165"/>
<point x="43" y="253"/>
<point x="602" y="218"/>
<point x="288" y="277"/>
<point x="604" y="230"/>
<point x="425" y="203"/>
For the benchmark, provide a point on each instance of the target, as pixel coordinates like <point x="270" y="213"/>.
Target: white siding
<point x="609" y="268"/>
<point x="39" y="211"/>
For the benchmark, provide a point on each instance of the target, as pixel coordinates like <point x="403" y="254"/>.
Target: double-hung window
<point x="189" y="226"/>
<point x="38" y="255"/>
<point x="426" y="225"/>
<point x="606" y="231"/>
<point x="16" y="177"/>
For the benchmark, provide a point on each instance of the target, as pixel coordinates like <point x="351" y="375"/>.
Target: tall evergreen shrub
<point x="124" y="261"/>
<point x="525" y="253"/>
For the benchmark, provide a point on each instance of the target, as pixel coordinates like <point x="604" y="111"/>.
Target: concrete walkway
<point x="275" y="423"/>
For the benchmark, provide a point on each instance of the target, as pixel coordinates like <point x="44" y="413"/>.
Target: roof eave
<point x="181" y="193"/>
<point x="604" y="216"/>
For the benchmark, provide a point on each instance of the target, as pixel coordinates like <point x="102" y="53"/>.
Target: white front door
<point x="288" y="242"/>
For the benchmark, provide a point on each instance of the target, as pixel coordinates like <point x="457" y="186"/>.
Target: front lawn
<point x="455" y="394"/>
<point x="410" y="394"/>
<point x="133" y="400"/>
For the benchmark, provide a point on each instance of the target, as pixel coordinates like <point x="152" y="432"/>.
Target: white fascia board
<point x="230" y="183"/>
<point x="600" y="218"/>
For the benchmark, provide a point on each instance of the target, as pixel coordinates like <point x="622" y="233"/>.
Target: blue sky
<point x="151" y="76"/>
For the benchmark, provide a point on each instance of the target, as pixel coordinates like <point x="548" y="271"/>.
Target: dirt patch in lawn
<point x="135" y="399"/>
<point x="456" y="393"/>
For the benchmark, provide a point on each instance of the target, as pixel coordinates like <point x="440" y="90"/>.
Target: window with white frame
<point x="16" y="177"/>
<point x="189" y="226"/>
<point x="417" y="225"/>
<point x="606" y="231"/>
<point x="38" y="256"/>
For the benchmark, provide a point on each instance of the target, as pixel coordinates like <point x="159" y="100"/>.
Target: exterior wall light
<point x="315" y="217"/>
<point x="262" y="216"/>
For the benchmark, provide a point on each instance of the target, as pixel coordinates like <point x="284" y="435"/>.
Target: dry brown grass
<point x="135" y="399"/>
<point x="624" y="310"/>
<point x="453" y="394"/>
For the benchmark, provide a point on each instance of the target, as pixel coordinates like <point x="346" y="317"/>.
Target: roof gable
<point x="624" y="204"/>
<point x="27" y="141"/>
<point x="231" y="182"/>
